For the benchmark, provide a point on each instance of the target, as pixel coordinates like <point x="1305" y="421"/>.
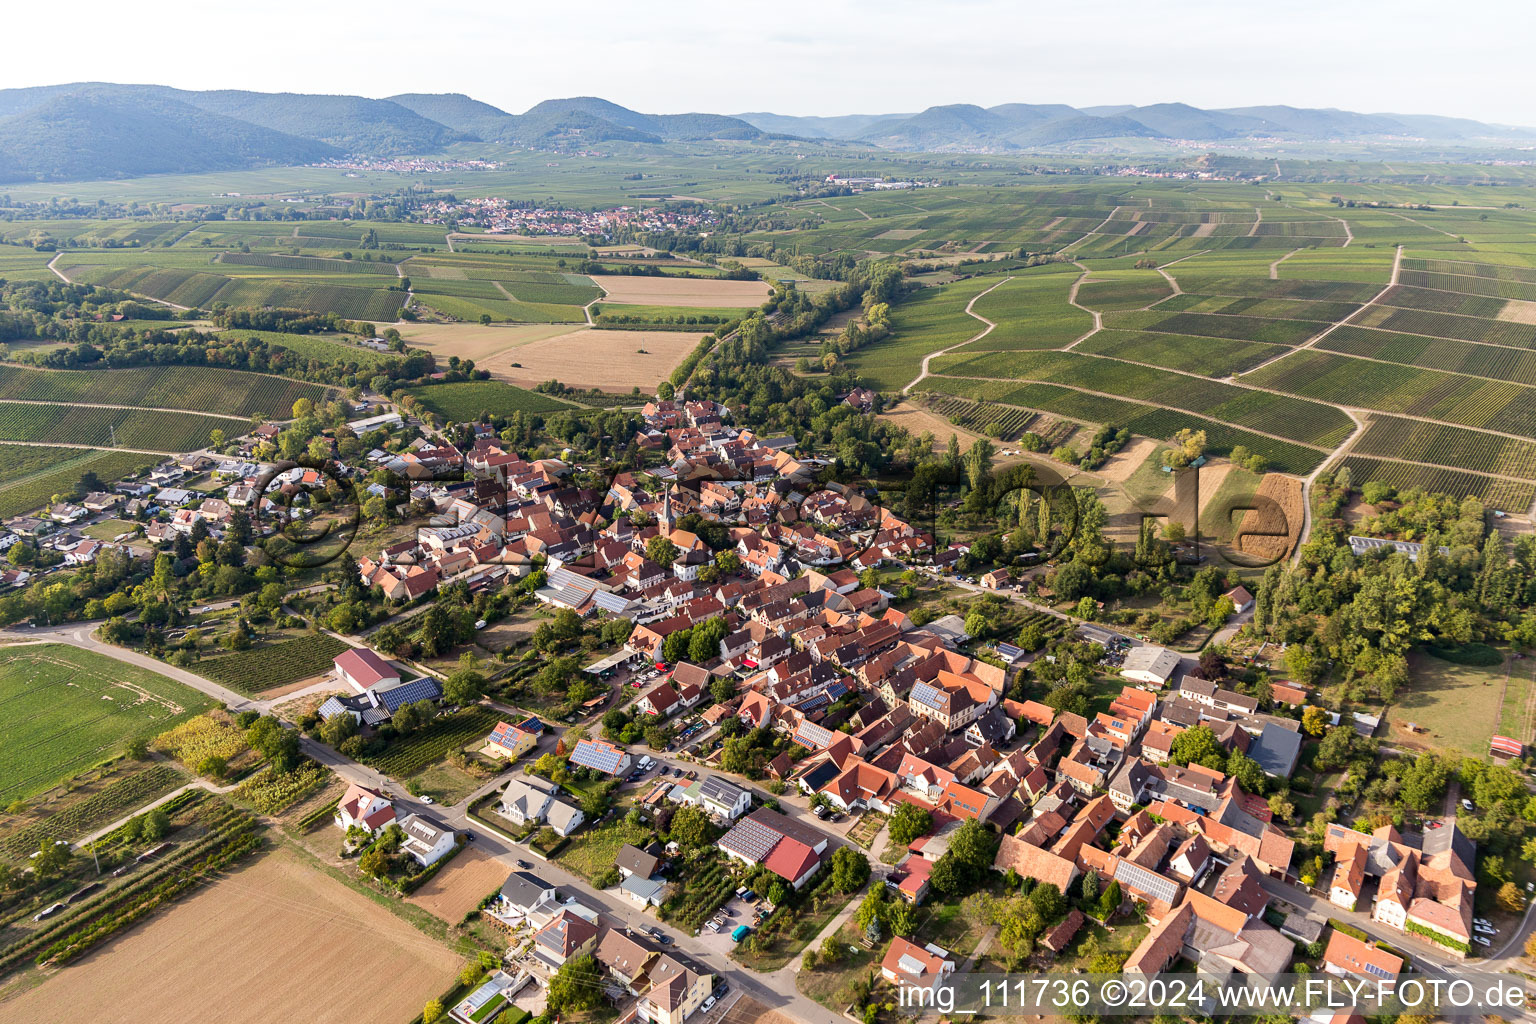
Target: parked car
<point x="426" y="800"/>
<point x="741" y="931"/>
<point x="524" y="864"/>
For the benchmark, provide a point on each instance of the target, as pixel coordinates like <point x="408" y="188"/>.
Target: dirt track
<point x="276" y="941"/>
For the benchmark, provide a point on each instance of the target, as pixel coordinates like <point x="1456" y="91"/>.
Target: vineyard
<point x="707" y="891"/>
<point x="119" y="797"/>
<point x="1442" y="445"/>
<point x="1003" y="422"/>
<point x="1435" y="353"/>
<point x="1134" y="292"/>
<point x="1443" y="302"/>
<point x="1469" y="401"/>
<point x="1449" y="325"/>
<point x="1239" y="328"/>
<point x="197" y="290"/>
<point x="99" y="427"/>
<point x="197" y="388"/>
<point x="309" y="263"/>
<point x="24" y="493"/>
<point x="1208" y="357"/>
<point x="1306" y="422"/>
<point x="263" y="668"/>
<point x="1494" y="493"/>
<point x="408" y="755"/>
<point x="464" y="401"/>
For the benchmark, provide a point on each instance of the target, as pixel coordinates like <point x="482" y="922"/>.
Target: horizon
<point x="627" y="50"/>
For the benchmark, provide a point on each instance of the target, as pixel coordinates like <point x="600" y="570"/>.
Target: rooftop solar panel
<point x="928" y="696"/>
<point x="408" y="693"/>
<point x="604" y="757"/>
<point x="750" y="840"/>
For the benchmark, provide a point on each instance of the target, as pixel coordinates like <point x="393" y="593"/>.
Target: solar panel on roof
<point x="751" y="840"/>
<point x="1149" y="882"/>
<point x="928" y="696"/>
<point x="408" y="693"/>
<point x="603" y="757"/>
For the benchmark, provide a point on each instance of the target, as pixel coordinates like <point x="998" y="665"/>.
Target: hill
<point x="105" y="134"/>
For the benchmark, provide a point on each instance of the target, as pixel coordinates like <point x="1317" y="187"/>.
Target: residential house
<point x="527" y="799"/>
<point x="365" y="808"/>
<point x="510" y="742"/>
<point x="602" y="756"/>
<point x="910" y="966"/>
<point x="427" y="840"/>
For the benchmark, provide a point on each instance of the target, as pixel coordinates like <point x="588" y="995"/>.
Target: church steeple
<point x="668" y="521"/>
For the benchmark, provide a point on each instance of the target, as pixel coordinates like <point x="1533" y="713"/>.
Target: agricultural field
<point x="234" y="393"/>
<point x="289" y="936"/>
<point x="98" y="427"/>
<point x="274" y="665"/>
<point x="1440" y="445"/>
<point x="464" y="401"/>
<point x="616" y="361"/>
<point x="67" y="709"/>
<point x="1107" y="290"/>
<point x="30" y="476"/>
<point x="630" y="289"/>
<point x="1032" y="312"/>
<point x="327" y="348"/>
<point x="1494" y="492"/>
<point x="460" y="886"/>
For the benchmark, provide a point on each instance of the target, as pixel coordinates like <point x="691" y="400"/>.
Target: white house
<point x="364" y="807"/>
<point x="362" y="670"/>
<point x="1153" y="666"/>
<point x="563" y="817"/>
<point x="426" y="840"/>
<point x="715" y="796"/>
<point x="527" y="799"/>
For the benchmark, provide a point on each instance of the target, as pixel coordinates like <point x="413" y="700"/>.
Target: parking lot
<point x="720" y="942"/>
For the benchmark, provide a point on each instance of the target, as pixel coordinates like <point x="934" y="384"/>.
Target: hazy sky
<point x="808" y="56"/>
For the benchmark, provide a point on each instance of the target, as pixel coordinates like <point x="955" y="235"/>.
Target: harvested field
<point x="461" y="885"/>
<point x="1285" y="515"/>
<point x="680" y="291"/>
<point x="1125" y="462"/>
<point x="474" y="341"/>
<point x="607" y="360"/>
<point x="277" y="940"/>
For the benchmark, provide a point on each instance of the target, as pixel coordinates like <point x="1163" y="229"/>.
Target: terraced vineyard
<point x="196" y="388"/>
<point x="1507" y="495"/>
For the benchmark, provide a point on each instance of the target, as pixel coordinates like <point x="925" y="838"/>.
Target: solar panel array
<point x="605" y="757"/>
<point x="750" y="840"/>
<point x="1151" y="883"/>
<point x="928" y="696"/>
<point x="409" y="693"/>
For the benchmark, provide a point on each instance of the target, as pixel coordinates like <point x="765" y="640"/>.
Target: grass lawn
<point x="67" y="709"/>
<point x="109" y="528"/>
<point x="445" y="783"/>
<point x="828" y="984"/>
<point x="1515" y="719"/>
<point x="947" y="925"/>
<point x="595" y="850"/>
<point x="1457" y="706"/>
<point x="1095" y="939"/>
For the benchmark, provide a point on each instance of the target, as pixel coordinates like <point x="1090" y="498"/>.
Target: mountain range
<point x="100" y="130"/>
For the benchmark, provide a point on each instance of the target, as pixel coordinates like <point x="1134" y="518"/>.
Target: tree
<point x="1199" y="745"/>
<point x="908" y="822"/>
<point x="971" y="848"/>
<point x="976" y="623"/>
<point x="1510" y="898"/>
<point x="850" y="869"/>
<point x="661" y="550"/>
<point x="1314" y="721"/>
<point x="576" y="987"/>
<point x="432" y="1012"/>
<point x="902" y="919"/>
<point x="52" y="860"/>
<point x="1090" y="886"/>
<point x="278" y="745"/>
<point x="1109" y="902"/>
<point x="722" y="689"/>
<point x="213" y="766"/>
<point x="1247" y="772"/>
<point x="873" y="908"/>
<point x="1049" y="901"/>
<point x="691" y="828"/>
<point x="777" y="894"/>
<point x="375" y="862"/>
